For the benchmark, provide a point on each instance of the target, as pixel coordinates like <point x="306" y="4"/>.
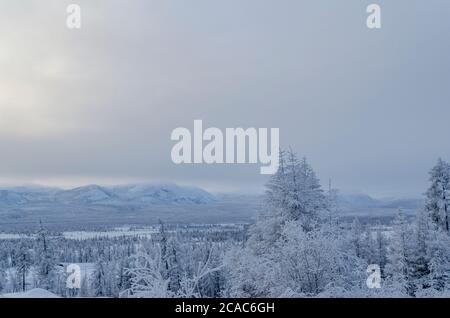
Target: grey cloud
<point x="369" y="108"/>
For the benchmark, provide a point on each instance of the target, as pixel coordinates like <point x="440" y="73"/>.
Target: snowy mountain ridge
<point x="156" y="194"/>
<point x="111" y="195"/>
<point x="362" y="200"/>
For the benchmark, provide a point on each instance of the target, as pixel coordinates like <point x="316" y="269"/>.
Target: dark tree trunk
<point x="23" y="281"/>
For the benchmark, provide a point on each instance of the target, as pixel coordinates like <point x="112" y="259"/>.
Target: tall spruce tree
<point x="45" y="263"/>
<point x="23" y="264"/>
<point x="295" y="192"/>
<point x="438" y="195"/>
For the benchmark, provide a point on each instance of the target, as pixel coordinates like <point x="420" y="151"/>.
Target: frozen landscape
<point x="94" y="206"/>
<point x="228" y="149"/>
<point x="160" y="240"/>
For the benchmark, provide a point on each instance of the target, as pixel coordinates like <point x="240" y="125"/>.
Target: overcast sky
<point x="369" y="108"/>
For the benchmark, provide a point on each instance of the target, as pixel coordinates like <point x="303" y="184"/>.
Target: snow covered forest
<point x="300" y="246"/>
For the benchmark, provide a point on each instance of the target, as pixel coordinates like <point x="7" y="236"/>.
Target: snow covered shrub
<point x="146" y="278"/>
<point x="251" y="275"/>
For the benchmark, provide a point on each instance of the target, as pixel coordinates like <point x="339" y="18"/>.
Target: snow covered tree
<point x="84" y="287"/>
<point x="99" y="281"/>
<point x="250" y="275"/>
<point x="419" y="258"/>
<point x="439" y="264"/>
<point x="313" y="261"/>
<point x="398" y="267"/>
<point x="333" y="208"/>
<point x="190" y="285"/>
<point x="438" y="195"/>
<point x="294" y="249"/>
<point x="105" y="279"/>
<point x="147" y="280"/>
<point x="211" y="284"/>
<point x="356" y="238"/>
<point x="170" y="265"/>
<point x="13" y="282"/>
<point x="124" y="278"/>
<point x="3" y="280"/>
<point x="380" y="250"/>
<point x="295" y="191"/>
<point x="23" y="264"/>
<point x="44" y="260"/>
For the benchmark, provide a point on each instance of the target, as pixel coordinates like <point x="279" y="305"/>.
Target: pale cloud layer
<point x="370" y="109"/>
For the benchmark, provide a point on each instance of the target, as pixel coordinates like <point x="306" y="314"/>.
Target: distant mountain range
<point x="364" y="201"/>
<point x="114" y="195"/>
<point x="142" y="195"/>
<point x="22" y="208"/>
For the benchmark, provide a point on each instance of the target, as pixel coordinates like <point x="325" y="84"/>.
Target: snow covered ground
<point x="32" y="293"/>
<point x="116" y="232"/>
<point x="13" y="236"/>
